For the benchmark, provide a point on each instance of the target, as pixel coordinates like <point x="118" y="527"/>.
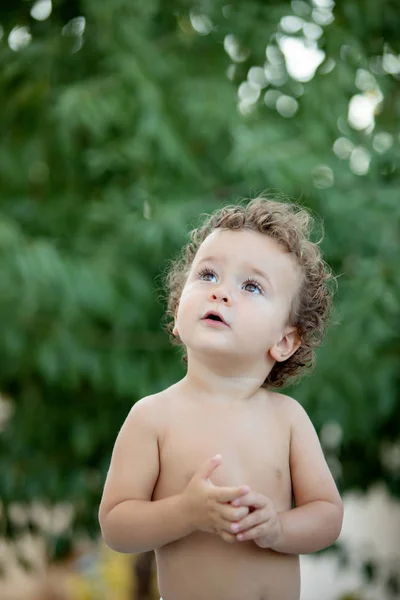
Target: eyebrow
<point x="246" y="266"/>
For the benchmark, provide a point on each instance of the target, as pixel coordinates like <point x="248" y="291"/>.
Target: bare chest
<point x="254" y="449"/>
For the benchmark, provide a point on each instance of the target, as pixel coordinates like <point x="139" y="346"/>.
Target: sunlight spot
<point x="291" y="24"/>
<point x="275" y="74"/>
<point x="343" y="125"/>
<point x="375" y="65"/>
<point x="231" y="71"/>
<point x="300" y="8"/>
<point x="146" y="210"/>
<point x="382" y="142"/>
<point x="391" y="63"/>
<point x="362" y="109"/>
<point x="322" y="16"/>
<point x="302" y="58"/>
<point x="256" y="75"/>
<point x="287" y="106"/>
<point x="390" y="456"/>
<point x="75" y="26"/>
<point x="19" y="37"/>
<point x="323" y="3"/>
<point x="327" y="66"/>
<point x="271" y="97"/>
<point x="6" y="411"/>
<point x="359" y="160"/>
<point x="323" y="177"/>
<point x="361" y="112"/>
<point x="201" y="23"/>
<point x="331" y="435"/>
<point x="274" y="55"/>
<point x="233" y="49"/>
<point x="297" y="89"/>
<point x="312" y="31"/>
<point x="343" y="148"/>
<point x="246" y="106"/>
<point x="41" y="10"/>
<point x="227" y="10"/>
<point x="365" y="80"/>
<point x="249" y="92"/>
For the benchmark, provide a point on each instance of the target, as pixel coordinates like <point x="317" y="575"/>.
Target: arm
<point x="316" y="520"/>
<point x="139" y="526"/>
<point x="130" y="521"/>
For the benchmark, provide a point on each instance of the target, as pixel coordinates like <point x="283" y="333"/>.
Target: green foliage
<point x="117" y="131"/>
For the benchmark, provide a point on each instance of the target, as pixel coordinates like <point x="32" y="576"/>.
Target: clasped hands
<point x="261" y="524"/>
<point x="233" y="513"/>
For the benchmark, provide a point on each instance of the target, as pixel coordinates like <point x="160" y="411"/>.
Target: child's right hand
<point x="208" y="506"/>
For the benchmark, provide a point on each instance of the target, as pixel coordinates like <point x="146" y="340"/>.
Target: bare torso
<point x="253" y="440"/>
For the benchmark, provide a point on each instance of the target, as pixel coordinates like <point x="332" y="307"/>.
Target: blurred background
<point x="120" y="122"/>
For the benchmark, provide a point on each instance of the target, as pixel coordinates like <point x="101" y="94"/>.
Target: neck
<point x="224" y="380"/>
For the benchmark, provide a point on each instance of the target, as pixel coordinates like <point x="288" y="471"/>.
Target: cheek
<point x="267" y="318"/>
<point x="190" y="293"/>
<point x="187" y="303"/>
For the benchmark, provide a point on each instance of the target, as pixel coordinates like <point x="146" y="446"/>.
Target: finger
<point x="252" y="534"/>
<point x="228" y="537"/>
<point x="231" y="514"/>
<point x="225" y="525"/>
<point x="209" y="467"/>
<point x="227" y="494"/>
<point x="255" y="518"/>
<point x="251" y="499"/>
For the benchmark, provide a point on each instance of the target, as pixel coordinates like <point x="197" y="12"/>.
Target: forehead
<point x="245" y="249"/>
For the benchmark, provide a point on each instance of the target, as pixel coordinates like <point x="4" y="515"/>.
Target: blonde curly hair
<point x="290" y="225"/>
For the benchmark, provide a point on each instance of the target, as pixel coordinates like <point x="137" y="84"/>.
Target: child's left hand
<point x="262" y="524"/>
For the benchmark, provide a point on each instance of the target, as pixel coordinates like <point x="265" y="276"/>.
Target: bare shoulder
<point x="289" y="409"/>
<point x="150" y="410"/>
<point x="146" y="408"/>
<point x="135" y="465"/>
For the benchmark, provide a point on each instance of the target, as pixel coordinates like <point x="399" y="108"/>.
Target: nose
<point x="220" y="294"/>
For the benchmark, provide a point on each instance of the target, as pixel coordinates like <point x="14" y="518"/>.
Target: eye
<point x="207" y="275"/>
<point x="252" y="287"/>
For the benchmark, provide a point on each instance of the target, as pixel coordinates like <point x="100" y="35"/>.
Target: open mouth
<point x="213" y="316"/>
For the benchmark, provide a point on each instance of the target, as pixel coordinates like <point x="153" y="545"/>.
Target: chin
<point x="215" y="352"/>
<point x="214" y="349"/>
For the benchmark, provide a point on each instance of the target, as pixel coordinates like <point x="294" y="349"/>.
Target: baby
<point x="220" y="474"/>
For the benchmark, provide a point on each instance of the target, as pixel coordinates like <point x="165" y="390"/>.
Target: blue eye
<point x="207" y="275"/>
<point x="252" y="287"/>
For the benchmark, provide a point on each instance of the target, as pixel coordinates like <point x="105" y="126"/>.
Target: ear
<point x="175" y="329"/>
<point x="286" y="346"/>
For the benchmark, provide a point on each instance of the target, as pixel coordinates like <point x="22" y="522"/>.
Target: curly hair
<point x="291" y="226"/>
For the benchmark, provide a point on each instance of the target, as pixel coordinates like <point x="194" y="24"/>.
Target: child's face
<point x="250" y="281"/>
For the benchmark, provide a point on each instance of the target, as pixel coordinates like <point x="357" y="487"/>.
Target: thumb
<point x="209" y="467"/>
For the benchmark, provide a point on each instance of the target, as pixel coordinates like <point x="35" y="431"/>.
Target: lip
<point x="215" y="323"/>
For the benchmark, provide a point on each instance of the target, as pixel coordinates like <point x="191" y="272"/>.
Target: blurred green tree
<point x="120" y="122"/>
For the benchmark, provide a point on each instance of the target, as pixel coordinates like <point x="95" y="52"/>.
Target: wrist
<point x="263" y="542"/>
<point x="274" y="539"/>
<point x="279" y="541"/>
<point x="186" y="514"/>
